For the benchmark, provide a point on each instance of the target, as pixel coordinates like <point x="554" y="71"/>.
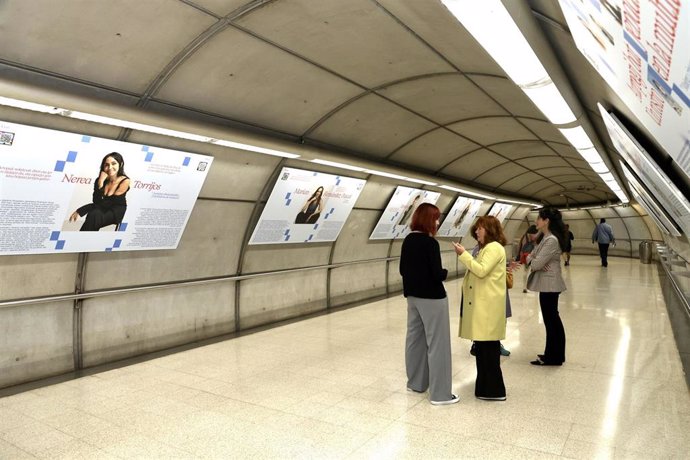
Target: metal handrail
<point x="669" y="254"/>
<point x="176" y="284"/>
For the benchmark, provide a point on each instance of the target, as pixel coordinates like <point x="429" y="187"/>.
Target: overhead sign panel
<point x="654" y="179"/>
<point x="640" y="48"/>
<point x="65" y="192"/>
<point x="306" y="207"/>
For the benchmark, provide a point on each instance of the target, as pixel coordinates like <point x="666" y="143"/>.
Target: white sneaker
<point x="414" y="391"/>
<point x="453" y="399"/>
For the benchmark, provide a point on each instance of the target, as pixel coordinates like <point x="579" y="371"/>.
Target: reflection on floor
<point x="334" y="387"/>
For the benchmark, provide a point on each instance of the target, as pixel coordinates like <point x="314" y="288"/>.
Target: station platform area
<point x="334" y="386"/>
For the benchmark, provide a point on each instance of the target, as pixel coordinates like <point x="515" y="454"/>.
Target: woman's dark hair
<point x="424" y="219"/>
<point x="120" y="161"/>
<point x="494" y="230"/>
<point x="556" y="225"/>
<point x="313" y="195"/>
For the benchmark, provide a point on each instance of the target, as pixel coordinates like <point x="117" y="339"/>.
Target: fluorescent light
<point x="607" y="177"/>
<point x="337" y="165"/>
<point x="385" y="174"/>
<point x="577" y="137"/>
<point x="420" y="181"/>
<point x="590" y="155"/>
<point x="491" y="25"/>
<point x="139" y="126"/>
<point x="467" y="192"/>
<point x="28" y="105"/>
<point x="550" y="101"/>
<point x="518" y="202"/>
<point x="599" y="168"/>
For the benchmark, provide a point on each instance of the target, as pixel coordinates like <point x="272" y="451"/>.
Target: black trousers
<point x="489" y="382"/>
<point x="98" y="218"/>
<point x="604" y="253"/>
<point x="554" y="352"/>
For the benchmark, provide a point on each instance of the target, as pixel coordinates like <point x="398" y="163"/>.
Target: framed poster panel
<point x="653" y="178"/>
<point x="66" y="192"/>
<point x="306" y="207"/>
<point x="460" y="218"/>
<point x="500" y="211"/>
<point x="641" y="50"/>
<point x="396" y="218"/>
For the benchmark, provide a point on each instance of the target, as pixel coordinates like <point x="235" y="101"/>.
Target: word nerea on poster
<point x="67" y="192"/>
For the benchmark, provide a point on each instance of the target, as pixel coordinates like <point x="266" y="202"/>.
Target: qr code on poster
<point x="6" y="138"/>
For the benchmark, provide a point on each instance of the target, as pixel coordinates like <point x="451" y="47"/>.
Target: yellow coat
<point x="484" y="294"/>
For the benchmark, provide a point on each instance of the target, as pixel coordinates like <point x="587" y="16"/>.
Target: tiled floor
<point x="334" y="387"/>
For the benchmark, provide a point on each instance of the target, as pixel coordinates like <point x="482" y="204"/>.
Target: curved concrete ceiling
<point x="398" y="82"/>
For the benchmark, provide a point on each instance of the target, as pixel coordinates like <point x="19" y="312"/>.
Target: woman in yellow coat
<point x="483" y="308"/>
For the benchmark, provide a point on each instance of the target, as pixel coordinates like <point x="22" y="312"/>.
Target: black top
<point x="420" y="267"/>
<point x="116" y="203"/>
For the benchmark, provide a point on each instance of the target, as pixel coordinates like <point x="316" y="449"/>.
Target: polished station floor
<point x="334" y="387"/>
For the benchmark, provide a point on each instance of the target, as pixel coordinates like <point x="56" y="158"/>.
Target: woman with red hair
<point x="427" y="346"/>
<point x="483" y="308"/>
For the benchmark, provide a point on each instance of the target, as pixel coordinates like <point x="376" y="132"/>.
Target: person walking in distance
<point x="569" y="238"/>
<point x="603" y="235"/>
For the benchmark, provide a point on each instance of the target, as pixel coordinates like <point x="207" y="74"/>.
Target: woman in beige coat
<point x="545" y="278"/>
<point x="483" y="308"/>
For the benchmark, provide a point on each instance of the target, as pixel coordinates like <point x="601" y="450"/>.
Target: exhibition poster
<point x="396" y="218"/>
<point x="306" y="207"/>
<point x="641" y="49"/>
<point x="500" y="211"/>
<point x="65" y="192"/>
<point x="460" y="218"/>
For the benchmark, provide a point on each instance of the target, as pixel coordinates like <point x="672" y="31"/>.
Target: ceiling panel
<point x="523" y="149"/>
<point x="434" y="149"/>
<point x="537" y="185"/>
<point x="256" y="83"/>
<point x="507" y="93"/>
<point x="491" y="130"/>
<point x="545" y="130"/>
<point x="497" y="175"/>
<point x="433" y="23"/>
<point x="123" y="44"/>
<point x="371" y="125"/>
<point x="565" y="150"/>
<point x="517" y="183"/>
<point x="473" y="164"/>
<point x="354" y="38"/>
<point x="221" y="7"/>
<point x="538" y="162"/>
<point x="443" y="98"/>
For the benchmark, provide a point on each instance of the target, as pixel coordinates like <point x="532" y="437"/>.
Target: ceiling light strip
<point x="140" y="127"/>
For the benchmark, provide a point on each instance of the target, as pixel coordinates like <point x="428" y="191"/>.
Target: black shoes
<point x="542" y="362"/>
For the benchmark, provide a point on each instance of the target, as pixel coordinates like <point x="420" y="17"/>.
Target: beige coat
<point x="484" y="294"/>
<point x="546" y="254"/>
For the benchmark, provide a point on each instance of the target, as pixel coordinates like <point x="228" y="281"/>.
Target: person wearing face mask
<point x="483" y="307"/>
<point x="545" y="278"/>
<point x="109" y="190"/>
<point x="427" y="345"/>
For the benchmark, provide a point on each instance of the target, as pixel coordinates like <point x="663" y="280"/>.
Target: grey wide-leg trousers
<point x="427" y="347"/>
